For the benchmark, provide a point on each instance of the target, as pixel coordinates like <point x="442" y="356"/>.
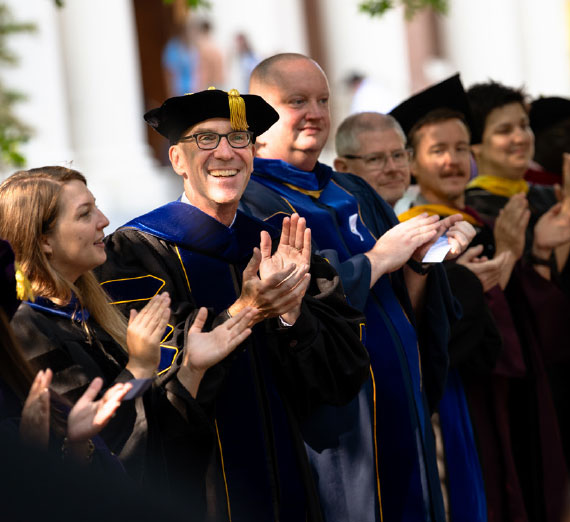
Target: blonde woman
<point x="56" y="230"/>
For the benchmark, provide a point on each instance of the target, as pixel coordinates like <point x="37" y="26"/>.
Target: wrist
<point x="290" y="318"/>
<point x="419" y="268"/>
<point x="141" y="370"/>
<point x="190" y="378"/>
<point x="378" y="266"/>
<point x="500" y="249"/>
<point x="542" y="253"/>
<point x="236" y="308"/>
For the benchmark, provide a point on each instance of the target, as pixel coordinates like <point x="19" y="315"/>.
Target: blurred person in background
<point x="243" y="61"/>
<point x="209" y="66"/>
<point x="550" y="121"/>
<point x="179" y="58"/>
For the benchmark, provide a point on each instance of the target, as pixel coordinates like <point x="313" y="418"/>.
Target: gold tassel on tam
<point x="237" y="111"/>
<point x="23" y="286"/>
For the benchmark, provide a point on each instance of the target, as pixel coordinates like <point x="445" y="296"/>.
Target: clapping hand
<point x="34" y="425"/>
<point x="88" y="416"/>
<point x="294" y="247"/>
<point x="144" y="333"/>
<point x="393" y="249"/>
<point x="459" y="234"/>
<point x="563" y="192"/>
<point x="204" y="349"/>
<point x="488" y="271"/>
<point x="510" y="226"/>
<point x="283" y="277"/>
<point x="552" y="230"/>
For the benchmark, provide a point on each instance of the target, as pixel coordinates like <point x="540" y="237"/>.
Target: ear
<point x="413" y="165"/>
<point x="416" y="171"/>
<point x="340" y="165"/>
<point x="45" y="245"/>
<point x="176" y="160"/>
<point x="476" y="151"/>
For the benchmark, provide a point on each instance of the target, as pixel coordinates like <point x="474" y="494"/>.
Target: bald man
<point x="379" y="460"/>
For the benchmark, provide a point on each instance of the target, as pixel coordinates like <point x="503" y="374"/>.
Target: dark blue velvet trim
<point x="465" y="480"/>
<point x="406" y="453"/>
<point x="72" y="310"/>
<point x="286" y="173"/>
<point x="192" y="229"/>
<point x="214" y="256"/>
<point x="136" y="289"/>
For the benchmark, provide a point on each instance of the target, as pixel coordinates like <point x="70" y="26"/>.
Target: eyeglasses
<point x="210" y="140"/>
<point x="400" y="158"/>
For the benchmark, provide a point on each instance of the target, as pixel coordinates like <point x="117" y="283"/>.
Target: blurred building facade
<point x="93" y="67"/>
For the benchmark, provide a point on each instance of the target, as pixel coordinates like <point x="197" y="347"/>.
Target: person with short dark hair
<point x="503" y="146"/>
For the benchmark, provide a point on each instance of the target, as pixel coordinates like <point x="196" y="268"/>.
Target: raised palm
<point x="294" y="247"/>
<point x="204" y="349"/>
<point x="88" y="416"/>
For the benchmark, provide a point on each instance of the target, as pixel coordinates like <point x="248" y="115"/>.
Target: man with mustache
<point x="378" y="460"/>
<point x="373" y="146"/>
<point x="438" y="123"/>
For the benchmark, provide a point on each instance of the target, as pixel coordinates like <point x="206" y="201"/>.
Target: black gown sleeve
<point x="320" y="359"/>
<point x="162" y="438"/>
<point x="49" y="341"/>
<point x="475" y="342"/>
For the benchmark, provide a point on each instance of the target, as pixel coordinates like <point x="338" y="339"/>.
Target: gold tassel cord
<point x="238" y="120"/>
<point x="23" y="286"/>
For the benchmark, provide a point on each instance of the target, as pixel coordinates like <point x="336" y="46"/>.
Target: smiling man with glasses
<point x="373" y="147"/>
<point x="304" y="350"/>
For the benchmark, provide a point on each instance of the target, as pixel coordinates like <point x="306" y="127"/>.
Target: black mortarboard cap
<point x="547" y="112"/>
<point x="247" y="112"/>
<point x="448" y="94"/>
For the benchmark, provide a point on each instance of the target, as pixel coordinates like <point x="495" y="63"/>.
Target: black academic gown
<point x="144" y="431"/>
<point x="274" y="380"/>
<point x="387" y="430"/>
<point x="533" y="315"/>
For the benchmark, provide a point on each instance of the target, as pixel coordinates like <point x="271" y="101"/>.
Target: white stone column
<point x="39" y="75"/>
<point x="106" y="109"/>
<point x="482" y="40"/>
<point x="546" y="46"/>
<point x="517" y="42"/>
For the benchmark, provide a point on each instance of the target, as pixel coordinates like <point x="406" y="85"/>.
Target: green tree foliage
<point x="191" y="3"/>
<point x="12" y="131"/>
<point x="379" y="7"/>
